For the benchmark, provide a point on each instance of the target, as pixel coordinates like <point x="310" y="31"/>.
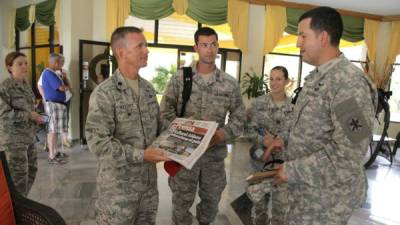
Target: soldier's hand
<point x="280" y="176"/>
<point x="37" y="117"/>
<point x="218" y="137"/>
<point x="268" y="138"/>
<point x="154" y="155"/>
<point x="277" y="144"/>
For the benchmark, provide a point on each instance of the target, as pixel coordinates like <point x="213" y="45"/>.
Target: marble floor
<point x="70" y="189"/>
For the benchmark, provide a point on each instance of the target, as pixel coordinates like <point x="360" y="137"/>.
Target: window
<point x="146" y="25"/>
<point x="161" y="65"/>
<point x="37" y="43"/>
<point x="169" y="34"/>
<point x="225" y="38"/>
<point x="291" y="62"/>
<point x="233" y="64"/>
<point x="394" y="100"/>
<point x="287" y="54"/>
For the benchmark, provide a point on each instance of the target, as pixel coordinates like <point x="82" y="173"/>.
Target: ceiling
<point x="20" y="3"/>
<point x="377" y="7"/>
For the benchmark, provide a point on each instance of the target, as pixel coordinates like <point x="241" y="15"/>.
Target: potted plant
<point x="254" y="85"/>
<point x="161" y="79"/>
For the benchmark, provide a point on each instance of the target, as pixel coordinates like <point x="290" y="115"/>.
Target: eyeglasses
<point x="206" y="45"/>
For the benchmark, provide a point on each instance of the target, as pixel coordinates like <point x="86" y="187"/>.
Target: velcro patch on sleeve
<point x="352" y="120"/>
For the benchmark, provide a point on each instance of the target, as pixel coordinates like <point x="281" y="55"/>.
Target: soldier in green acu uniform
<point x="123" y="120"/>
<point x="331" y="130"/>
<point x="18" y="123"/>
<point x="270" y="117"/>
<point x="214" y="95"/>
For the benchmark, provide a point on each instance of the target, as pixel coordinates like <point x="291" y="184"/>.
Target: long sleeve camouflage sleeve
<point x="169" y="101"/>
<point x="254" y="124"/>
<point x="235" y="126"/>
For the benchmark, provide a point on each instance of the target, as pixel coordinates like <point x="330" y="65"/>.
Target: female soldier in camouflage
<point x="18" y="121"/>
<point x="270" y="117"/>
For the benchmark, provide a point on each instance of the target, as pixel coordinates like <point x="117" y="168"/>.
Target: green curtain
<point x="211" y="12"/>
<point x="151" y="9"/>
<point x="22" y="18"/>
<point x="292" y="16"/>
<point x="353" y="27"/>
<point x="44" y="12"/>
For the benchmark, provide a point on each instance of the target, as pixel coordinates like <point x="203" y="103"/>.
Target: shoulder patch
<point x="352" y="120"/>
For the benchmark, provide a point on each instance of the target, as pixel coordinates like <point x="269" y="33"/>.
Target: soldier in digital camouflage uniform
<point x="270" y="115"/>
<point x="214" y="94"/>
<point x="123" y="120"/>
<point x="18" y="123"/>
<point x="331" y="130"/>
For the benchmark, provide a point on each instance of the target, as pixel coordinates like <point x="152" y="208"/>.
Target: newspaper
<point x="186" y="140"/>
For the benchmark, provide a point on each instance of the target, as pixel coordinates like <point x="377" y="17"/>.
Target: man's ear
<point x="119" y="52"/>
<point x="325" y="38"/>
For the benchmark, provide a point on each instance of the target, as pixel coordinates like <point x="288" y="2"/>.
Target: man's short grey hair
<point x="118" y="36"/>
<point x="55" y="57"/>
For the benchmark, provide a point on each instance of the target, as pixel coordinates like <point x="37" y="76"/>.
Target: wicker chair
<point x="25" y="210"/>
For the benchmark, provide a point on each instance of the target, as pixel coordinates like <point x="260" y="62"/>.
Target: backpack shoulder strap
<point x="187" y="88"/>
<point x="296" y="94"/>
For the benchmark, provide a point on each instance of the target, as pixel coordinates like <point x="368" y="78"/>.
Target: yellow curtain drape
<point x="275" y="24"/>
<point x="238" y="21"/>
<point x="394" y="46"/>
<point x="180" y="6"/>
<point x="32" y="10"/>
<point x="371" y="31"/>
<point x="379" y="68"/>
<point x="117" y="12"/>
<point x="11" y="28"/>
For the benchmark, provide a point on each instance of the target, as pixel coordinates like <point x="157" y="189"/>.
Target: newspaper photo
<point x="186" y="140"/>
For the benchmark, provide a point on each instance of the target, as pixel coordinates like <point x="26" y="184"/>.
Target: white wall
<point x="253" y="59"/>
<point x="99" y="21"/>
<point x="76" y="23"/>
<point x="80" y="20"/>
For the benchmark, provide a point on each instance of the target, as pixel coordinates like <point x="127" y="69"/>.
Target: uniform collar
<point x="120" y="81"/>
<point x="324" y="68"/>
<point x="216" y="77"/>
<point x="286" y="101"/>
<point x="319" y="72"/>
<point x="17" y="83"/>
